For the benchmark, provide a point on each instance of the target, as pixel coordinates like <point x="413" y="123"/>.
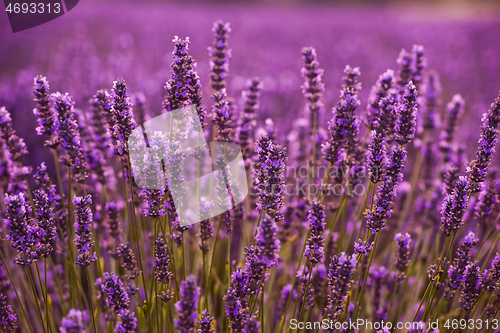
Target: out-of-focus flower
<point x="127" y="323"/>
<point x="267" y="241"/>
<point x="44" y="213"/>
<point x="73" y="322"/>
<point x="252" y="325"/>
<point x="362" y="247"/>
<point x="313" y="87"/>
<point x="8" y="318"/>
<point x="493" y="277"/>
<point x="457" y="268"/>
<point x="247" y="124"/>
<point x="43" y="111"/>
<point x="222" y="116"/>
<point x="376" y="157"/>
<point x="376" y="114"/>
<point x="403" y="255"/>
<point x="83" y="230"/>
<point x="187" y="305"/>
<point x="234" y="311"/>
<point x="454" y="109"/>
<point x="15" y="144"/>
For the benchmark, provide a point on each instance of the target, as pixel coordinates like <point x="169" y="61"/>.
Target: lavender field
<point x="367" y="133"/>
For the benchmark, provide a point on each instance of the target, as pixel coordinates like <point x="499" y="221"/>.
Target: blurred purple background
<point x="87" y="48"/>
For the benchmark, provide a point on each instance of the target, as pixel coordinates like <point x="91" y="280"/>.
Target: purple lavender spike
<point x="116" y="297"/>
<point x="375" y="112"/>
<point x="43" y="110"/>
<point x="128" y="260"/>
<point x="205" y="323"/>
<point x="233" y="309"/>
<point x="453" y="207"/>
<point x="472" y="284"/>
<point x="454" y="109"/>
<point x="493" y="277"/>
<point x="376" y="157"/>
<point x="162" y="262"/>
<point x="187" y="305"/>
<point x="8" y="318"/>
<point x="219" y="55"/>
<point x="123" y="116"/>
<point x="339" y="280"/>
<point x="457" y="268"/>
<point x="127" y="323"/>
<point x="83" y="230"/>
<point x="407" y="114"/>
<point x="15" y="144"/>
<point x="314" y="250"/>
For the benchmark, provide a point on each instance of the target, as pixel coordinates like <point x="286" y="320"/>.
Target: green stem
<point x="33" y="289"/>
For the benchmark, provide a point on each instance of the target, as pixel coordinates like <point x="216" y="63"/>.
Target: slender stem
<point x="39" y="311"/>
<point x="305" y="294"/>
<point x="207" y="279"/>
<point x="90" y="299"/>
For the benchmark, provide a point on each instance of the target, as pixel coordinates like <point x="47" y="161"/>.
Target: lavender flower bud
<point x="453" y="208"/>
<point x="255" y="269"/>
<point x="251" y="106"/>
<point x="116" y="297"/>
<point x="491" y="282"/>
<point x="403" y="256"/>
<point x="67" y="131"/>
<point x="206" y="323"/>
<point x="219" y="56"/>
<point x="45" y="215"/>
<point x="405" y="73"/>
<point x="419" y="63"/>
<point x="43" y="111"/>
<point x="267" y="242"/>
<point x="314" y="250"/>
<point x="407" y="115"/>
<point x="268" y="173"/>
<point x="486" y="203"/>
<point x="127" y="323"/>
<point x="8" y="318"/>
<point x="178" y="88"/>
<point x="376" y="157"/>
<point x="302" y="276"/>
<point x="457" y="268"/>
<point x="122" y="114"/>
<point x="313" y="87"/>
<point x="222" y="116"/>
<point x="162" y="262"/>
<point x="375" y="112"/>
<point x="15" y="144"/>
<point x="100" y="121"/>
<point x="22" y="232"/>
<point x="472" y="283"/>
<point x="234" y="310"/>
<point x="83" y="230"/>
<point x="128" y="260"/>
<point x="431" y="118"/>
<point x="187" y="305"/>
<point x="454" y="109"/>
<point x="362" y="247"/>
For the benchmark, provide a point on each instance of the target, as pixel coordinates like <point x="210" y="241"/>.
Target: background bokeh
<point x="98" y="41"/>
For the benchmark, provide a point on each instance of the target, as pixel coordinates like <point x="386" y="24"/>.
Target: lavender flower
<point x="377" y="277"/>
<point x="339" y="280"/>
<point x="15" y="144"/>
<point x="403" y="255"/>
<point x="162" y="262"/>
<point x="116" y="297"/>
<point x="206" y="227"/>
<point x="112" y="222"/>
<point x="267" y="242"/>
<point x="382" y="209"/>
<point x="43" y="111"/>
<point x="431" y="118"/>
<point x="343" y="143"/>
<point x="219" y="56"/>
<point x="67" y="131"/>
<point x="489" y="132"/>
<point x="234" y="310"/>
<point x="268" y="173"/>
<point x="8" y="318"/>
<point x="454" y="109"/>
<point x="22" y="232"/>
<point x="453" y="208"/>
<point x="362" y="247"/>
<point x="254" y="271"/>
<point x="419" y="63"/>
<point x="375" y="113"/>
<point x="407" y="114"/>
<point x="122" y="114"/>
<point x="302" y="277"/>
<point x="457" y="268"/>
<point x="314" y="250"/>
<point x="83" y="230"/>
<point x="222" y="116"/>
<point x="73" y="322"/>
<point x="178" y="87"/>
<point x="493" y="277"/>
<point x="101" y="110"/>
<point x="313" y="87"/>
<point x="405" y="73"/>
<point x="472" y="283"/>
<point x="44" y="212"/>
<point x="252" y="325"/>
<point x="246" y="127"/>
<point x="376" y="157"/>
<point x="187" y="305"/>
<point x="128" y="260"/>
<point x="205" y="323"/>
<point x="127" y="323"/>
<point x="486" y="203"/>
